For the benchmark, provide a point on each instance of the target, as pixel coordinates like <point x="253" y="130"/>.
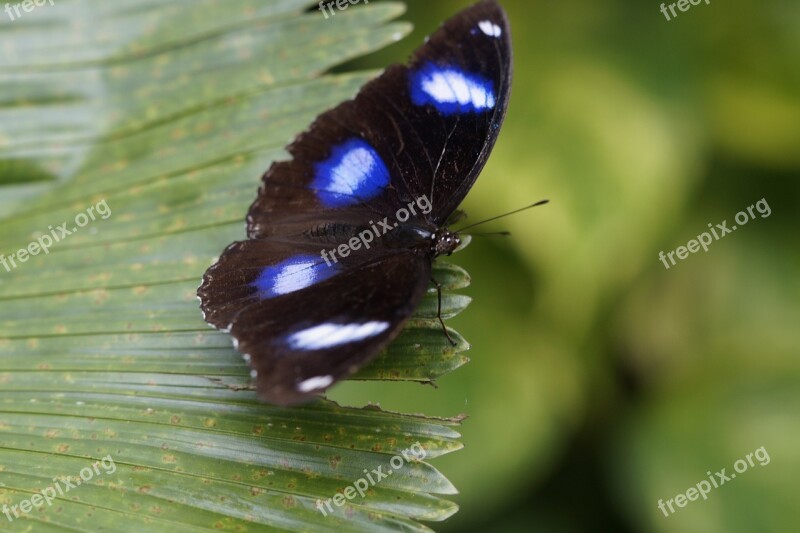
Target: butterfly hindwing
<point x="319" y="336"/>
<point x="421" y="131"/>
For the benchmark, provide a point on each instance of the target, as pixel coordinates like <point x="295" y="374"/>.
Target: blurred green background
<point x="601" y="382"/>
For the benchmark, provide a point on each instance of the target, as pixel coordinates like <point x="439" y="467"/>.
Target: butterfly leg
<point x="439" y="311"/>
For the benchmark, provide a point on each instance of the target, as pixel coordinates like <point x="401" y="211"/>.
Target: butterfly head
<point x="445" y="242"/>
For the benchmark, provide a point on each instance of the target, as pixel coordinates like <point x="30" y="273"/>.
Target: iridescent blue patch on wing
<point x="292" y="275"/>
<point x="353" y="173"/>
<point x="451" y="90"/>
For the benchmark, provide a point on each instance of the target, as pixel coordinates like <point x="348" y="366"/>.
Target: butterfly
<point x="342" y="237"/>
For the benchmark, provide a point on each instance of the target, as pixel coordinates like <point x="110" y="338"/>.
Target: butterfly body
<point x="342" y="237"/>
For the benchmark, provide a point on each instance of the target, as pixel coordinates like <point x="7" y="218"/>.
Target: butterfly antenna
<point x="540" y="202"/>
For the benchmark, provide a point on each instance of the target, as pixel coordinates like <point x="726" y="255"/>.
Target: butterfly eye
<point x="445" y="242"/>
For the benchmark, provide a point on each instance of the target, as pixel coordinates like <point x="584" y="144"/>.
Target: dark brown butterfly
<point x="342" y="237"/>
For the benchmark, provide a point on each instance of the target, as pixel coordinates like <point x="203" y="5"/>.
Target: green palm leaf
<point x="167" y="114"/>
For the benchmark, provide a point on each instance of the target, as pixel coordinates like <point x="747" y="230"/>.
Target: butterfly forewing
<point x="430" y="125"/>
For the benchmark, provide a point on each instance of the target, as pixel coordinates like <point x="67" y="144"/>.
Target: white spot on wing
<point x="353" y="171"/>
<point x="490" y="28"/>
<point x="293" y="277"/>
<point x="318" y="382"/>
<point x="329" y="335"/>
<point x="451" y="86"/>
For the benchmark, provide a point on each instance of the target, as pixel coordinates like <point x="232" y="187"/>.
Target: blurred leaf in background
<point x="600" y="381"/>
